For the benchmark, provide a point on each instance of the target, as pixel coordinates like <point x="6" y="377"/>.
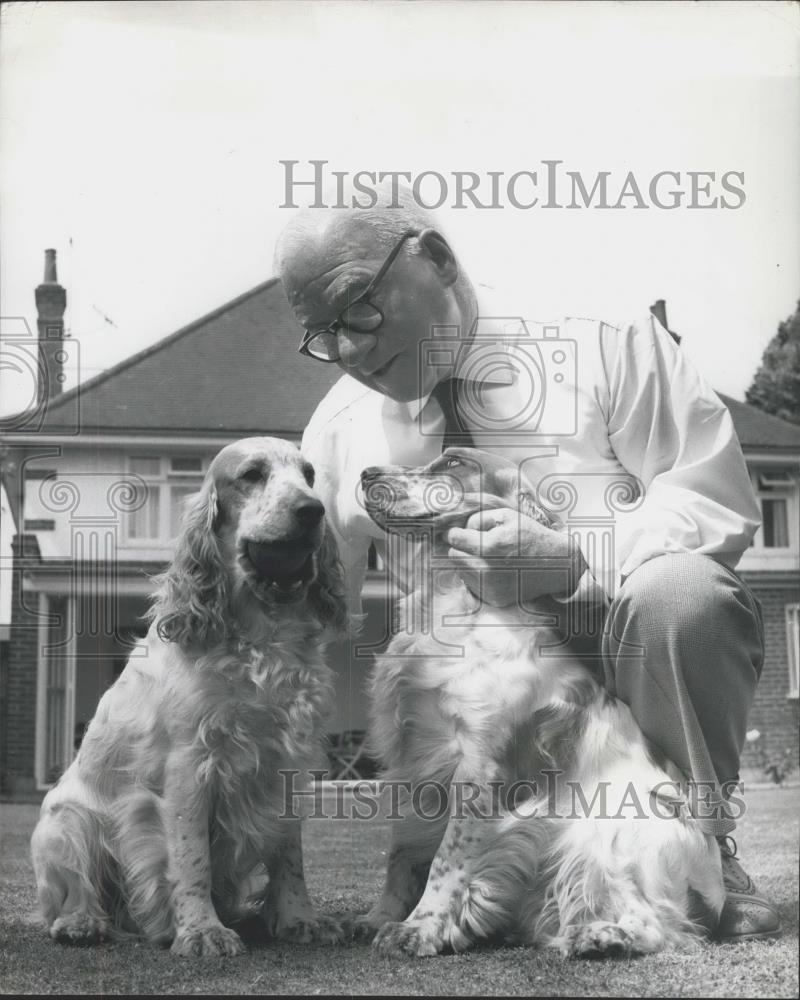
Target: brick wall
<point x="19" y="742"/>
<point x="775" y="716"/>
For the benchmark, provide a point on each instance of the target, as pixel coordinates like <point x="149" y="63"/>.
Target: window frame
<point x="163" y="482"/>
<point x="773" y="483"/>
<point x="792" y="617"/>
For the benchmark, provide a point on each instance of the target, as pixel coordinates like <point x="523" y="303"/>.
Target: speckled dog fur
<point x="473" y="698"/>
<point x="175" y="798"/>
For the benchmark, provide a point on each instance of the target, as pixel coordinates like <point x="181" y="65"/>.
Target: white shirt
<point x="611" y="424"/>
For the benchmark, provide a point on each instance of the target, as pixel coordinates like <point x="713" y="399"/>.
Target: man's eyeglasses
<point x="360" y="316"/>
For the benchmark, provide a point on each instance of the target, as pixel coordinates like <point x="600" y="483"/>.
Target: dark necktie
<point x="456" y="433"/>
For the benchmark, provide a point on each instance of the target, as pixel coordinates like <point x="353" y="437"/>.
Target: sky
<point x="143" y="141"/>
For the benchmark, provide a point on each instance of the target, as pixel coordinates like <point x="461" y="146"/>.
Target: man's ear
<point x="438" y="250"/>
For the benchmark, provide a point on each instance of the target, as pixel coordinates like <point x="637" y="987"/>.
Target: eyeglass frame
<point x="338" y="323"/>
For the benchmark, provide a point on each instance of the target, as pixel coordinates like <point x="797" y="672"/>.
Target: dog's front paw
<point x="80" y="929"/>
<point x="411" y="938"/>
<point x="596" y="940"/>
<point x="316" y="930"/>
<point x="212" y="940"/>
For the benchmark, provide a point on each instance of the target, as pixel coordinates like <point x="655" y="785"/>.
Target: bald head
<point x="316" y="239"/>
<point x="328" y="259"/>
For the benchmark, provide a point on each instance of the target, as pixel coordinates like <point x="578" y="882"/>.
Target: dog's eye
<point x="308" y="473"/>
<point x="253" y="475"/>
<point x="452" y="463"/>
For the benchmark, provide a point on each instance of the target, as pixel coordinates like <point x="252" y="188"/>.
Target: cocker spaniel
<point x="534" y="810"/>
<point x="175" y="798"/>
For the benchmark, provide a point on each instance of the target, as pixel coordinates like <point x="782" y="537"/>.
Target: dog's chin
<point x="420" y="522"/>
<point x="282" y="576"/>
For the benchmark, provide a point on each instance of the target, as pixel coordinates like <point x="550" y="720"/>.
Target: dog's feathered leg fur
<point x="589" y="884"/>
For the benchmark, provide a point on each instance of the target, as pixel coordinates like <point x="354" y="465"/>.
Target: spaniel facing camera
<point x="175" y="798"/>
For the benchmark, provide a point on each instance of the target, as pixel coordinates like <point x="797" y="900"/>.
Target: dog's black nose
<point x="371" y="473"/>
<point x="309" y="512"/>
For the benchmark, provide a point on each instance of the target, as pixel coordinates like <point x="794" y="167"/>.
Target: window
<point x="166" y="483"/>
<point x="773" y="478"/>
<point x="177" y="505"/>
<point x="185" y="477"/>
<point x="775" y="523"/>
<point x="144" y="521"/>
<point x="777" y="497"/>
<point x="793" y="648"/>
<point x="191" y="466"/>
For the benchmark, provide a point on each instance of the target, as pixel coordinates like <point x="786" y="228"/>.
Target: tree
<point x="776" y="384"/>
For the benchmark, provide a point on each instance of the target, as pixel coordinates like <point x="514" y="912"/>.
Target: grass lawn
<point x="344" y="862"/>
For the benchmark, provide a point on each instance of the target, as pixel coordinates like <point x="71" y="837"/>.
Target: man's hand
<point x="506" y="557"/>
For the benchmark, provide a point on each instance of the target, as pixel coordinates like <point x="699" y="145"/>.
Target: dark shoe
<point x="746" y="916"/>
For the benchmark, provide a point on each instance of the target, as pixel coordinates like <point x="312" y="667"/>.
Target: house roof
<point x="757" y="429"/>
<point x="235" y="370"/>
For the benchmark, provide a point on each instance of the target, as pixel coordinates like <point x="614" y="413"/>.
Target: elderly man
<point x="583" y="407"/>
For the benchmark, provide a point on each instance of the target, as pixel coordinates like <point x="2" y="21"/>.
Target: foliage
<point x="776" y="384"/>
<point x="776" y="763"/>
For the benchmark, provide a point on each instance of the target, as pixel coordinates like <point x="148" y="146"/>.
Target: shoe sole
<point x="760" y="936"/>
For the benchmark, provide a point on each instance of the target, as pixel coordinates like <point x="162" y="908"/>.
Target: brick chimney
<point x="51" y="301"/>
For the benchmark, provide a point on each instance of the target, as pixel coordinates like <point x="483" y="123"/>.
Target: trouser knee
<point x="683" y="648"/>
<point x="686" y="612"/>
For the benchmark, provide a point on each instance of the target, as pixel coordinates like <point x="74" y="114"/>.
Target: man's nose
<point x="309" y="511"/>
<point x="354" y="347"/>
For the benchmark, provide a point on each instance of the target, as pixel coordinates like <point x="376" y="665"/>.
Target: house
<point x="95" y="477"/>
<point x="771" y="566"/>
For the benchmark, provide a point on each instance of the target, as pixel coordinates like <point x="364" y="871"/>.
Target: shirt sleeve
<point x="668" y="428"/>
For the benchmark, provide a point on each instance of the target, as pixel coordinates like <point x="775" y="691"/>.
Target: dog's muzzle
<point x="280" y="570"/>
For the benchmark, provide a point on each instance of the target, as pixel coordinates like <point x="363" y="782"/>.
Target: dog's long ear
<point x="189" y="606"/>
<point x="326" y="595"/>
